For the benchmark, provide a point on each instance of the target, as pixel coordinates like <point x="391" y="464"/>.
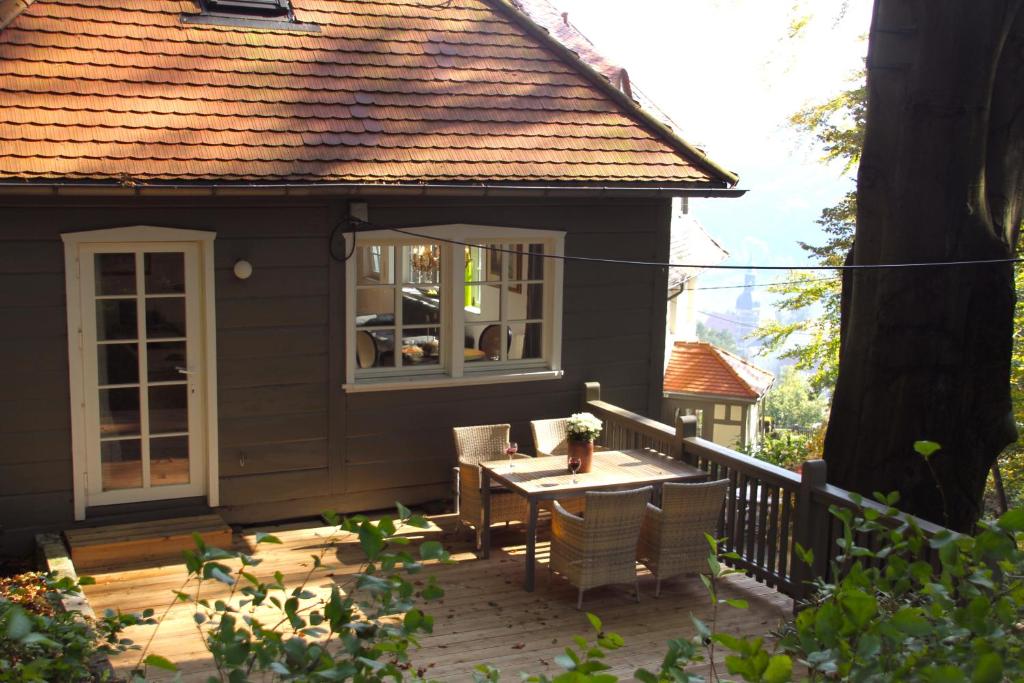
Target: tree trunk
<point x="925" y="352"/>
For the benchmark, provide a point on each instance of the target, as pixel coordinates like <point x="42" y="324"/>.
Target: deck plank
<point x="485" y="615"/>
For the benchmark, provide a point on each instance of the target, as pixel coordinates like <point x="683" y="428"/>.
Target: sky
<point x="729" y="75"/>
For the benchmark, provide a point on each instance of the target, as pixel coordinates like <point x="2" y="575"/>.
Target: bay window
<point x="483" y="307"/>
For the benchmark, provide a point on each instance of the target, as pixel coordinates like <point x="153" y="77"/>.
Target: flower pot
<point x="584" y="450"/>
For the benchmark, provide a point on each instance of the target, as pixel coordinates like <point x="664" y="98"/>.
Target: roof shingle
<point x="703" y="368"/>
<point x="402" y="91"/>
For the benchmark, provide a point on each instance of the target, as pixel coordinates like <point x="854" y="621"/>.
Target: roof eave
<point x="598" y="79"/>
<point x="213" y="188"/>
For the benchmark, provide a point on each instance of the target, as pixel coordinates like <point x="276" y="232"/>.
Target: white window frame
<point x="133" y="235"/>
<point x="452" y="370"/>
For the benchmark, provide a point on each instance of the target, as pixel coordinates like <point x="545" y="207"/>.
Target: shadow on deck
<point x="485" y="616"/>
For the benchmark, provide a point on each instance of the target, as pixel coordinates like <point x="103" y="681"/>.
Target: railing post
<point x="591" y="392"/>
<point x="686" y="427"/>
<point x="810" y="529"/>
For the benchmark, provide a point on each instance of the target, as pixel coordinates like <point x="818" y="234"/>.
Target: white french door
<point x="143" y="360"/>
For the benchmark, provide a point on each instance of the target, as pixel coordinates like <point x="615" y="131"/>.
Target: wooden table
<point x="547" y="478"/>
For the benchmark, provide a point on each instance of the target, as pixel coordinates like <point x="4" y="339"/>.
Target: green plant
<point x="361" y="631"/>
<point x="43" y="642"/>
<point x="786" y="448"/>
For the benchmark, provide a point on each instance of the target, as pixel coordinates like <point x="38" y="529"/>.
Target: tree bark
<point x="925" y="352"/>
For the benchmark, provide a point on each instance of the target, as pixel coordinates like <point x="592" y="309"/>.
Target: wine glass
<point x="511" y="450"/>
<point x="574" y="466"/>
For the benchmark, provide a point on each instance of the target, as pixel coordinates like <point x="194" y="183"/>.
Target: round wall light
<point x="243" y="269"/>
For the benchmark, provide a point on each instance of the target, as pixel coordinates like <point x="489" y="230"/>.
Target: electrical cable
<point x="695" y="266"/>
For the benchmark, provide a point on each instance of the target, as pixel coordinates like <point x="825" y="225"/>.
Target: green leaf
<point x="989" y="669"/>
<point x="738" y="604"/>
<point x="267" y="538"/>
<point x="926" y="448"/>
<point x="433" y="550"/>
<point x="18" y="623"/>
<point x="595" y="622"/>
<point x="86" y="581"/>
<point x="910" y="620"/>
<point x="780" y="670"/>
<point x="160" y="663"/>
<point x="1012" y="520"/>
<point x="403" y="512"/>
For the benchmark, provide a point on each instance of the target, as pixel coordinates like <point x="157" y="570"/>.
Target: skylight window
<point x="250" y="8"/>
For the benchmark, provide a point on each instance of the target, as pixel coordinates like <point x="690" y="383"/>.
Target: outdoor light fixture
<point x="243" y="269"/>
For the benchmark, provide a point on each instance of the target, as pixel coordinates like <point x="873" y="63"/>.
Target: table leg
<point x="485" y="502"/>
<point x="531" y="544"/>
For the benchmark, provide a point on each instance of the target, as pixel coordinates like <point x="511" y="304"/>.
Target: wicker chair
<point x="550" y="437"/>
<point x="672" y="539"/>
<point x="600" y="548"/>
<point x="475" y="445"/>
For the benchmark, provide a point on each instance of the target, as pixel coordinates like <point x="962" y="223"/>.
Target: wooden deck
<point x="485" y="615"/>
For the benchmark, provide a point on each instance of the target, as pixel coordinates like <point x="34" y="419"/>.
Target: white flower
<point x="584" y="427"/>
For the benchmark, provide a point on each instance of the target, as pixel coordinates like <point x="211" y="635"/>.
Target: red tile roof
<point x="702" y="368"/>
<point x="388" y="91"/>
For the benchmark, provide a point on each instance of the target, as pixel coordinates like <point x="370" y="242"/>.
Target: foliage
<point x="793" y="404"/>
<point x="44" y="643"/>
<point x="362" y="631"/>
<point x="723" y="339"/>
<point x="1011" y="461"/>
<point x="787" y="448"/>
<point x="892" y="617"/>
<point x="584" y="427"/>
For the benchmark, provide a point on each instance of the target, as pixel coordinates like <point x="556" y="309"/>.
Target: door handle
<point x="184" y="371"/>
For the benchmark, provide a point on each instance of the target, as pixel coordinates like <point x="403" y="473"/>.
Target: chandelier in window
<point x="425" y="258"/>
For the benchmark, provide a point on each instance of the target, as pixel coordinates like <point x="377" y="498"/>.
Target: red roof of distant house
<point x="703" y="368"/>
<point x="387" y="91"/>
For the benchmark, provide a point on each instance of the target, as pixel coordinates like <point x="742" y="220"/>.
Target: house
<point x="722" y="389"/>
<point x="259" y="256"/>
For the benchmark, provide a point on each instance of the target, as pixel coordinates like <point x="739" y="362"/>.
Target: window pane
<point x="515" y="262"/>
<point x="489" y="305"/>
<point x="488" y="340"/>
<point x="482" y="264"/>
<point x="119" y="412"/>
<point x="527" y="341"/>
<point x="164" y="359"/>
<point x="168" y="461"/>
<point x="165" y="273"/>
<point x="116" y="319"/>
<point x="121" y="462"/>
<point x="115" y="274"/>
<point x="421" y="306"/>
<point x="525" y="301"/>
<point x="118" y="363"/>
<point x="168" y="409"/>
<point x="535" y="267"/>
<point x="375" y="306"/>
<point x="165" y="318"/>
<point x="421" y="346"/>
<point x="421" y="264"/>
<point x="375" y="349"/>
<point x="375" y="265"/>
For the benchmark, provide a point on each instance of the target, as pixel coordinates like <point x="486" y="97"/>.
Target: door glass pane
<point x="483" y="264"/>
<point x="421" y="346"/>
<point x="535" y="269"/>
<point x="168" y="461"/>
<point x="121" y="462"/>
<point x="165" y="318"/>
<point x="421" y="264"/>
<point x="118" y="363"/>
<point x="119" y="412"/>
<point x="514" y="261"/>
<point x="164" y="359"/>
<point x="168" y="409"/>
<point x="115" y="274"/>
<point x="165" y="273"/>
<point x="116" y="319"/>
<point x="421" y="306"/>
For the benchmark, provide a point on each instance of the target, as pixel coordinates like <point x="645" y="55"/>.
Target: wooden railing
<point x="768" y="509"/>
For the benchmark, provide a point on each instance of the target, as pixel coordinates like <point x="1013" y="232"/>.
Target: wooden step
<point x="153" y="541"/>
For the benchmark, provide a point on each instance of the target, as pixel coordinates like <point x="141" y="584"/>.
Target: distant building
<point x="724" y="391"/>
